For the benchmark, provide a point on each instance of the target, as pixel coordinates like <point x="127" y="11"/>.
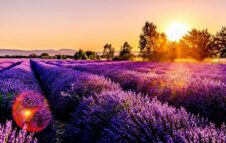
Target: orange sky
<point x="89" y="24"/>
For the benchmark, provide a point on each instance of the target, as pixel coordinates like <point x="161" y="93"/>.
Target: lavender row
<point x="7" y="64"/>
<point x="180" y="86"/>
<point x="65" y="87"/>
<point x="127" y="117"/>
<point x="13" y="82"/>
<point x="105" y="113"/>
<point x="203" y="70"/>
<point x="4" y="65"/>
<point x="17" y="81"/>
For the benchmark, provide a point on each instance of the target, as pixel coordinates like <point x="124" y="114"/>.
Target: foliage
<point x="148" y="40"/>
<point x="199" y="43"/>
<point x="155" y="46"/>
<point x="44" y="55"/>
<point x="33" y="56"/>
<point x="61" y="56"/>
<point x="125" y="52"/>
<point x="220" y="42"/>
<point x="80" y="55"/>
<point x="108" y="52"/>
<point x="92" y="55"/>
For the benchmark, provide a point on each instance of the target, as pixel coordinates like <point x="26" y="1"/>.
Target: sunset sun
<point x="176" y="31"/>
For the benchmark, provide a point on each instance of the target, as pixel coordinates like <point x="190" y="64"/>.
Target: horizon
<point x="89" y="25"/>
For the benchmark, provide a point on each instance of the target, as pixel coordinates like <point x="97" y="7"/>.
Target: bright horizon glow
<point x="90" y="24"/>
<point x="176" y="31"/>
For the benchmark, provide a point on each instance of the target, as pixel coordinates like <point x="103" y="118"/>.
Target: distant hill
<point x="51" y="52"/>
<point x="11" y="52"/>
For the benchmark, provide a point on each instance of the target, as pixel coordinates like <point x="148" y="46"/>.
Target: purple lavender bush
<point x="127" y="117"/>
<point x="199" y="88"/>
<point x="8" y="63"/>
<point x="10" y="135"/>
<point x="66" y="87"/>
<point x="13" y="82"/>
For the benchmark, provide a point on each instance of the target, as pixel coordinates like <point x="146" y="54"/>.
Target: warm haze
<point x="89" y="24"/>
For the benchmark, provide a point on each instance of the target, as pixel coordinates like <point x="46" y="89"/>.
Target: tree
<point x="163" y="50"/>
<point x="89" y="53"/>
<point x="172" y="53"/>
<point x="80" y="55"/>
<point x="126" y="52"/>
<point x="108" y="52"/>
<point x="199" y="44"/>
<point x="60" y="56"/>
<point x="220" y="42"/>
<point x="44" y="55"/>
<point x="92" y="55"/>
<point x="148" y="40"/>
<point x="33" y="56"/>
<point x="162" y="43"/>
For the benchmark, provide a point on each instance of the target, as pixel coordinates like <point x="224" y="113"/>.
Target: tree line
<point x="154" y="46"/>
<point x="196" y="44"/>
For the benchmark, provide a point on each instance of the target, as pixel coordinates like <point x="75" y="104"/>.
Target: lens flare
<point x="31" y="111"/>
<point x="27" y="113"/>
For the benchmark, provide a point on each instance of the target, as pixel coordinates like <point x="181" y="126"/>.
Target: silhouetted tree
<point x="32" y="56"/>
<point x="220" y="42"/>
<point x="108" y="52"/>
<point x="92" y="55"/>
<point x="199" y="44"/>
<point x="89" y="53"/>
<point x="44" y="55"/>
<point x="126" y="52"/>
<point x="182" y="50"/>
<point x="162" y="43"/>
<point x="163" y="50"/>
<point x="80" y="55"/>
<point x="61" y="57"/>
<point x="148" y="40"/>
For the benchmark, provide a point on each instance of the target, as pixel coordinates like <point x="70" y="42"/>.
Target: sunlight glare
<point x="176" y="31"/>
<point x="27" y="113"/>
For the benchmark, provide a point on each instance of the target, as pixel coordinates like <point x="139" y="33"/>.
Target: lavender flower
<point x="14" y="81"/>
<point x="67" y="87"/>
<point x="10" y="135"/>
<point x="126" y="117"/>
<point x="199" y="88"/>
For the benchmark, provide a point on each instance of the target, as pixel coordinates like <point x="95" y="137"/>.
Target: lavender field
<point x="69" y="101"/>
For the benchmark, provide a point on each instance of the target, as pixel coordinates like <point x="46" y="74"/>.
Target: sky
<point x="90" y="24"/>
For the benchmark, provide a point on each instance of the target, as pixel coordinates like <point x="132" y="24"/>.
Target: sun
<point x="176" y="31"/>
